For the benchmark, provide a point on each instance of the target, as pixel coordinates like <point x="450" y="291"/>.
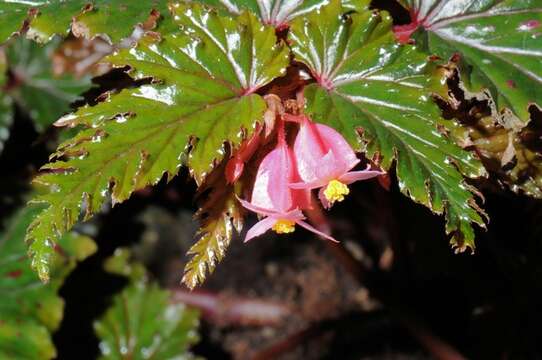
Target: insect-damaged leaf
<point x="202" y="95"/>
<point x="30" y="310"/>
<point x="369" y="82"/>
<point x="501" y="40"/>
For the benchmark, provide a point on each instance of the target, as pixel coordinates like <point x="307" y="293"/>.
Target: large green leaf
<point x="501" y="40"/>
<point x="30" y="310"/>
<point x="42" y="95"/>
<point x="114" y="20"/>
<point x="142" y="323"/>
<point x="202" y="96"/>
<point x="369" y="83"/>
<point x="279" y="13"/>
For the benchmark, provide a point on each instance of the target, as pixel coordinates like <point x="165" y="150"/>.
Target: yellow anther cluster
<point x="335" y="191"/>
<point x="284" y="226"/>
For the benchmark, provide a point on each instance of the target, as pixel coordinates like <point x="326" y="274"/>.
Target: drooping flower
<point x="324" y="160"/>
<point x="273" y="198"/>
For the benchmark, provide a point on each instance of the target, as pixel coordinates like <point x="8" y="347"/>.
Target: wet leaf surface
<point x="30" y="310"/>
<point x="142" y="322"/>
<point x="278" y="13"/>
<point x="202" y="95"/>
<point x="368" y="82"/>
<point x="500" y="40"/>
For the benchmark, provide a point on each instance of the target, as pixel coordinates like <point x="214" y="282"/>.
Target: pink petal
<point x="323" y="200"/>
<point x="308" y="185"/>
<point x="271" y="189"/>
<point x="309" y="150"/>
<point x="293" y="215"/>
<point x="257" y="209"/>
<point x="339" y="146"/>
<point x="259" y="228"/>
<point x="314" y="230"/>
<point x="353" y="176"/>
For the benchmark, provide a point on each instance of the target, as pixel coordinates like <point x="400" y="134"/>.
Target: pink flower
<point x="273" y="198"/>
<point x="324" y="160"/>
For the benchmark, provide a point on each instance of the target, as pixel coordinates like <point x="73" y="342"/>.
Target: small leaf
<point x="500" y="40"/>
<point x="204" y="78"/>
<point x="142" y="323"/>
<point x="220" y="214"/>
<point x="369" y="83"/>
<point x="30" y="310"/>
<point x="37" y="91"/>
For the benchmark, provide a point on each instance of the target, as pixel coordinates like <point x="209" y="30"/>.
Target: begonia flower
<point x="324" y="160"/>
<point x="272" y="197"/>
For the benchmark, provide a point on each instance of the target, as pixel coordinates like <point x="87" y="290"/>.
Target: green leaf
<point x="44" y="96"/>
<point x="12" y="16"/>
<point x="30" y="310"/>
<point x="6" y="108"/>
<point x="501" y="40"/>
<point x="368" y="83"/>
<point x="202" y="96"/>
<point x="220" y="214"/>
<point x="114" y="20"/>
<point x="142" y="323"/>
<point x="279" y="13"/>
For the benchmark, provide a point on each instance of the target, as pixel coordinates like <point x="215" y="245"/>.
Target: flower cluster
<point x="320" y="159"/>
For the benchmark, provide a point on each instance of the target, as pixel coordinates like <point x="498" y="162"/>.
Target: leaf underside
<point x="220" y="216"/>
<point x="202" y="96"/>
<point x="501" y="40"/>
<point x="30" y="310"/>
<point x="369" y="83"/>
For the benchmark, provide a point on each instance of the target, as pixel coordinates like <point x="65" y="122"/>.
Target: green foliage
<point x="6" y="109"/>
<point x="142" y="323"/>
<point x="370" y="83"/>
<point x="38" y="92"/>
<point x="220" y="214"/>
<point x="113" y="20"/>
<point x="30" y="310"/>
<point x="204" y="77"/>
<point x="279" y="12"/>
<point x="501" y="40"/>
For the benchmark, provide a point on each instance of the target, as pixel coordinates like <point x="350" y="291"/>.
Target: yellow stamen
<point x="335" y="191"/>
<point x="284" y="226"/>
